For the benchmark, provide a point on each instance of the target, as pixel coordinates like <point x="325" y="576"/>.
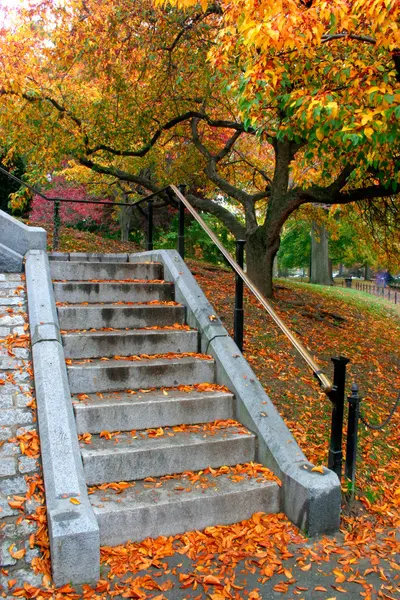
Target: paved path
<point x="276" y="563"/>
<point x="16" y="418"/>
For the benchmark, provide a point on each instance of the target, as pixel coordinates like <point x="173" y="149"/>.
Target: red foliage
<point x="71" y="213"/>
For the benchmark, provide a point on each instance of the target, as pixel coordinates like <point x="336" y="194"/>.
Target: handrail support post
<point x="238" y="317"/>
<point x="335" y="458"/>
<point x="352" y="435"/>
<point x="181" y="227"/>
<point x="149" y="245"/>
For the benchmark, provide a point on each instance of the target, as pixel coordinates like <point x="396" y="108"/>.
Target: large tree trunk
<point x="320" y="267"/>
<point x="260" y="260"/>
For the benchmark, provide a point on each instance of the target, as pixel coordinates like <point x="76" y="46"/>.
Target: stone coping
<point x="73" y="528"/>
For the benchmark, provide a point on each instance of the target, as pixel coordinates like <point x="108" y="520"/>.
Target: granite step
<point x="120" y="411"/>
<point x="84" y="271"/>
<point x="172" y="506"/>
<point x="96" y="344"/>
<point x="75" y="292"/>
<point x="119" y="375"/>
<point x="97" y="316"/>
<point x="138" y="455"/>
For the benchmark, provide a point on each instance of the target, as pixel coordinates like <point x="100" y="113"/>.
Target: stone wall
<point x="16" y="239"/>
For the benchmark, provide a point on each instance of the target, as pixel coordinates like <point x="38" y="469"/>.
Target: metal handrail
<point x="326" y="384"/>
<point x="323" y="379"/>
<point x="56" y="199"/>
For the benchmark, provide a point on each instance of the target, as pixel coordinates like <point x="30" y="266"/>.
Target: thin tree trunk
<point x="367" y="272"/>
<point x="125" y="217"/>
<point x="320" y="268"/>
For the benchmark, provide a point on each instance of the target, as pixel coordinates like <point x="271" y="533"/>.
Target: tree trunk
<point x="260" y="260"/>
<point x="320" y="268"/>
<point x="367" y="272"/>
<point x="275" y="268"/>
<point x="125" y="217"/>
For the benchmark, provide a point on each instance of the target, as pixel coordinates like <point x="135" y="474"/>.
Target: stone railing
<point x="16" y="239"/>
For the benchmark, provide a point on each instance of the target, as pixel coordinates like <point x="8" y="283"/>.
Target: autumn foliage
<point x="270" y="105"/>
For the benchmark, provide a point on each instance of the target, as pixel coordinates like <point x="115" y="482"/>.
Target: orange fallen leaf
<point x="211" y="580"/>
<point x="318" y="469"/>
<point x="339" y="576"/>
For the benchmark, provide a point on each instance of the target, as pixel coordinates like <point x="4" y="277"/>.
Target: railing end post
<point x="337" y="397"/>
<point x="354" y="400"/>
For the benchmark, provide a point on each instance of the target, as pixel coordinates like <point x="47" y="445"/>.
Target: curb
<point x="310" y="499"/>
<point x="73" y="529"/>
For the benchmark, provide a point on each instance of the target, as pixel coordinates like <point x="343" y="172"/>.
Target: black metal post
<point x="352" y="435"/>
<point x="238" y="317"/>
<point x="181" y="230"/>
<point x="337" y="397"/>
<point x="56" y="225"/>
<point x="149" y="245"/>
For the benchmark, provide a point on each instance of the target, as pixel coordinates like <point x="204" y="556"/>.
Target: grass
<point x="361" y="300"/>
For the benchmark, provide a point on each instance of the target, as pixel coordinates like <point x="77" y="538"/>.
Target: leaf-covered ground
<point x="267" y="557"/>
<point x="73" y="240"/>
<point x="330" y="322"/>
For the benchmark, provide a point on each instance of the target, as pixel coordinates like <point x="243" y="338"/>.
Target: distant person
<point x="380" y="279"/>
<point x="387" y="278"/>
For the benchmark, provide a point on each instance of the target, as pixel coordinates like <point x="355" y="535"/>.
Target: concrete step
<point x="84" y="271"/>
<point x="85" y="291"/>
<point x="96" y="344"/>
<point x="128" y="457"/>
<point x="173" y="506"/>
<point x="123" y="411"/>
<point x="116" y="375"/>
<point x="96" y="316"/>
<point x="89" y="256"/>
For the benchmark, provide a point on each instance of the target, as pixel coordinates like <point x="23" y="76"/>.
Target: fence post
<point x="337" y="397"/>
<point x="56" y="225"/>
<point x="238" y="316"/>
<point x="149" y="245"/>
<point x="352" y="435"/>
<point x="181" y="227"/>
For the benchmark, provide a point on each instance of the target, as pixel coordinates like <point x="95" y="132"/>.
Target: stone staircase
<point x="154" y="426"/>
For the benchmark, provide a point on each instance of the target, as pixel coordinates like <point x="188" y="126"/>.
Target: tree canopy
<point x="267" y="105"/>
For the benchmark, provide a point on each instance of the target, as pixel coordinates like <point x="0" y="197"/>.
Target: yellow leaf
<point x="320" y="134"/>
<point x="74" y="501"/>
<point x="368" y="131"/>
<point x="340" y="578"/>
<point x="318" y="469"/>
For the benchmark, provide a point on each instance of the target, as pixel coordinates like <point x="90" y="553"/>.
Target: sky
<point x="6" y="4"/>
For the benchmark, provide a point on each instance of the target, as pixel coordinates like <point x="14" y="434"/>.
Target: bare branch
<point x="350" y="36"/>
<point x="228" y="146"/>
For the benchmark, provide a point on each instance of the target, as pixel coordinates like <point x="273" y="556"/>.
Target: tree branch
<point x="351" y="36"/>
<point x="213" y="208"/>
<point x="228" y="146"/>
<point x="118" y="174"/>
